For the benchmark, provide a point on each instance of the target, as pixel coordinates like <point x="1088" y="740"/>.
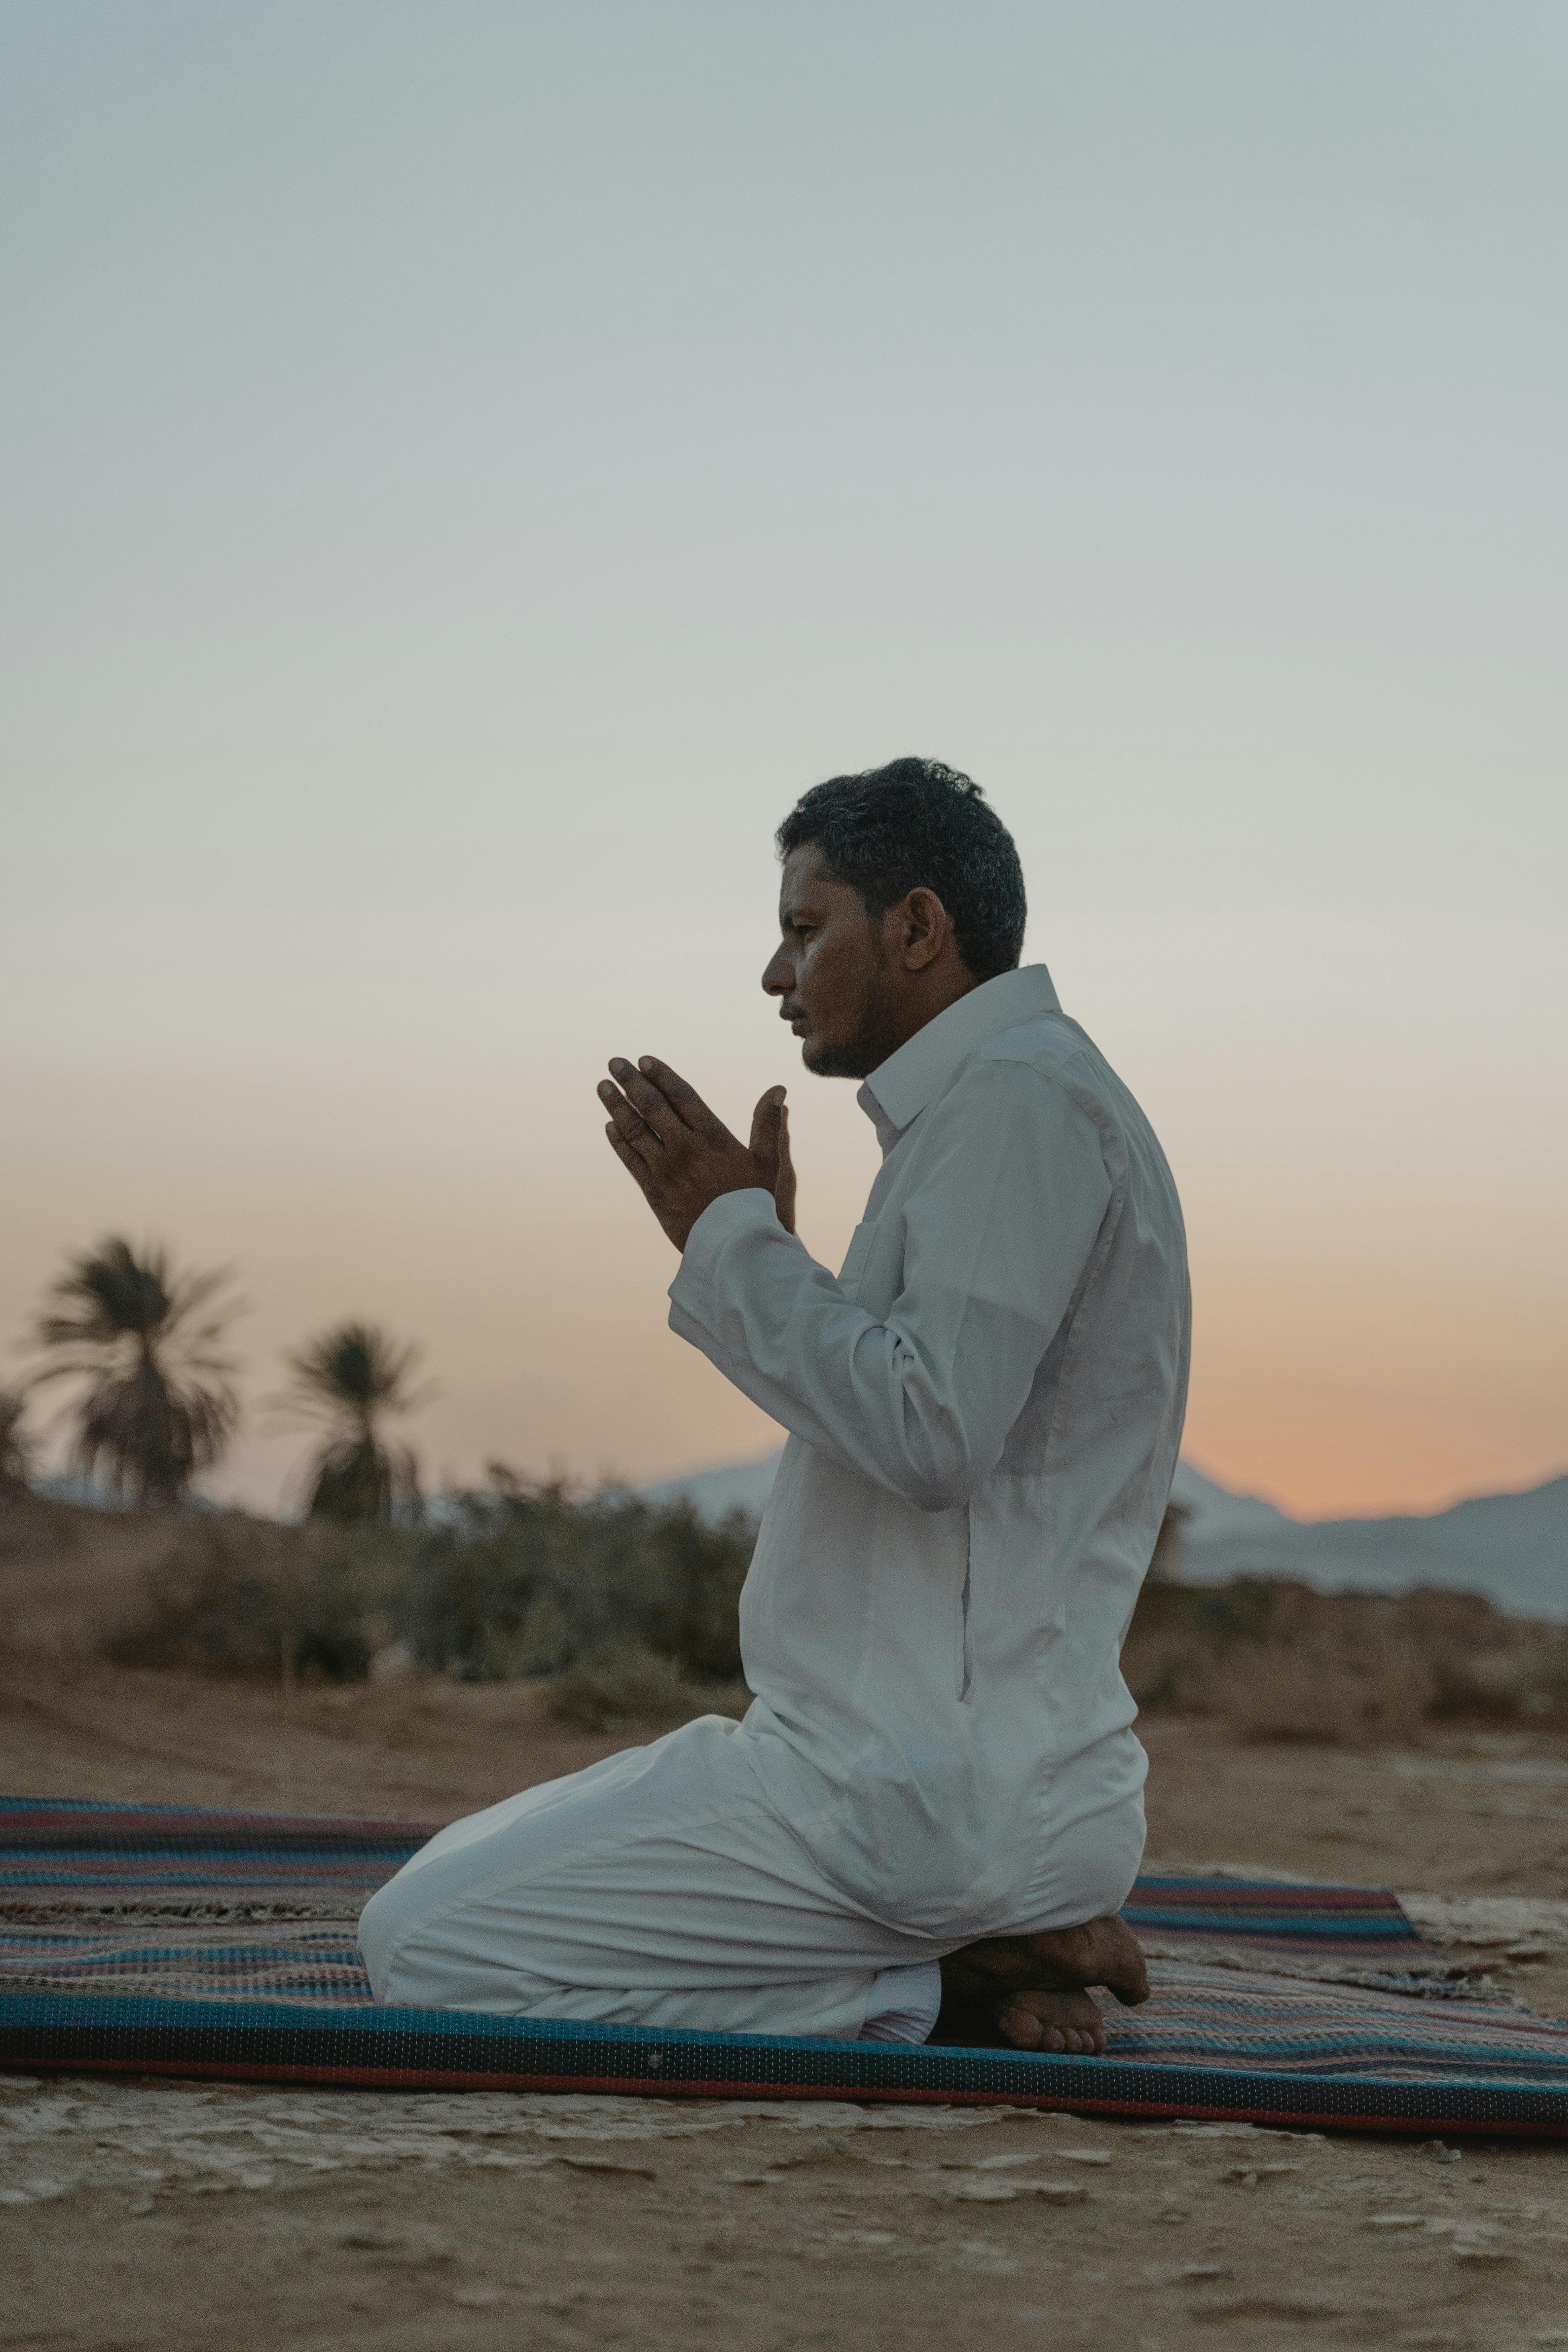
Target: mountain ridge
<point x="1511" y="1547"/>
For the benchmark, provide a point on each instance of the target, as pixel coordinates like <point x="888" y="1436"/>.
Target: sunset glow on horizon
<point x="470" y="474"/>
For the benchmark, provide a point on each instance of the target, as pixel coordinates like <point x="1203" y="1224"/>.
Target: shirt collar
<point x="899" y="1088"/>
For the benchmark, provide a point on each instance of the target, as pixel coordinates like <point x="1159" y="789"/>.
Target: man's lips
<point x="794" y="1016"/>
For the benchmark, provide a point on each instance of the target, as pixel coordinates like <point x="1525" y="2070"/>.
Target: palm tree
<point x="15" y="1446"/>
<point x="353" y="1376"/>
<point x="157" y="1407"/>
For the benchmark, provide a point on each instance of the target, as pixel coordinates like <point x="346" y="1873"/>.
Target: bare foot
<point x="1031" y="1992"/>
<point x="1067" y="2022"/>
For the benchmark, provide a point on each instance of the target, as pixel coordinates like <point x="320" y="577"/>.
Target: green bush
<point x="638" y="1686"/>
<point x="237" y="1596"/>
<point x="512" y="1582"/>
<point x="528" y="1583"/>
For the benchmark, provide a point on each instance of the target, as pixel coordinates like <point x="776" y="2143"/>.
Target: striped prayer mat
<point x="1360" y="1923"/>
<point x="162" y="1939"/>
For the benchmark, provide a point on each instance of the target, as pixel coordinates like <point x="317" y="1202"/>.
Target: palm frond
<point x="352" y="1377"/>
<point x="354" y="1371"/>
<point x="157" y="1407"/>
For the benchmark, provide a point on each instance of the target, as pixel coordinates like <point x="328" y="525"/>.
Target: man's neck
<point x="911" y="1011"/>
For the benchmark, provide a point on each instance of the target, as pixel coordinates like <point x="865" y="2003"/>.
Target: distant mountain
<point x="68" y="1488"/>
<point x="81" y="1491"/>
<point x="733" y="1486"/>
<point x="1511" y="1547"/>
<point x="1213" y="1511"/>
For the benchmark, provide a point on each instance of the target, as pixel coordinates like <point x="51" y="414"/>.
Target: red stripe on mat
<point x="383" y="2078"/>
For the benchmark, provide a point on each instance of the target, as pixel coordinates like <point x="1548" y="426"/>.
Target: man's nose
<point x="778" y="978"/>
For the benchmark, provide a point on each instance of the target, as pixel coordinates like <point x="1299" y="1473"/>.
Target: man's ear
<point x="924" y="929"/>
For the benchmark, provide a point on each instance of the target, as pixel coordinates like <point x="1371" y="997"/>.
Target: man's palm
<point x="683" y="1156"/>
<point x="770" y="1150"/>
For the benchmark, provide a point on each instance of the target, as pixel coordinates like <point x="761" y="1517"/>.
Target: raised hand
<point x="769" y="1148"/>
<point x="683" y="1155"/>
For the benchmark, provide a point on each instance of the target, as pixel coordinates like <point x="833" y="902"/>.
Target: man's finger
<point x="785" y="1179"/>
<point x="626" y="1156"/>
<point x="767" y="1121"/>
<point x="648" y="1102"/>
<point x="683" y="1100"/>
<point x="627" y="1117"/>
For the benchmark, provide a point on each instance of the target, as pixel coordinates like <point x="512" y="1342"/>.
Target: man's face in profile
<point x="829" y="972"/>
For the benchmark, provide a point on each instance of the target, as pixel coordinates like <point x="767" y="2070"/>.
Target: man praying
<point x="934" y="1803"/>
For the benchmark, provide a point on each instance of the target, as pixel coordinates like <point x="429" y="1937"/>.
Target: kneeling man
<point x="937" y="1797"/>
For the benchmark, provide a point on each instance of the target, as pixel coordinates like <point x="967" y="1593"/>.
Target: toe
<point x="1120" y="1958"/>
<point x="1067" y="2024"/>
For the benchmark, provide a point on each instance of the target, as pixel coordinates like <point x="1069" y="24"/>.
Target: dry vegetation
<point x="1278" y="1661"/>
<point x="628" y="1613"/>
<point x="625" y="1615"/>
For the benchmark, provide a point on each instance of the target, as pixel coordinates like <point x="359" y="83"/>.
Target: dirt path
<point x="165" y="2216"/>
<point x="250" y="2218"/>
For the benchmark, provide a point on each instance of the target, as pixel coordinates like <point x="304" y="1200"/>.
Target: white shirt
<point x="985" y="1405"/>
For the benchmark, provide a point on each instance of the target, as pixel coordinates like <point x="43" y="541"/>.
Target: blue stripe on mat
<point x="449" y="2049"/>
<point x="1384" y="1928"/>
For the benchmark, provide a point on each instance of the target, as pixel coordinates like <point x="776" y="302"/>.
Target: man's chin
<point x="823" y="1059"/>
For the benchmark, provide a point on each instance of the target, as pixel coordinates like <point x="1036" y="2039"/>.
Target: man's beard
<point x="867" y="1050"/>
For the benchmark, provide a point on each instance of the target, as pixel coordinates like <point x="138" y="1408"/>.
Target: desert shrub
<point x="1318" y="1670"/>
<point x="237" y="1596"/>
<point x="1320" y="1688"/>
<point x="1280" y="1661"/>
<point x="521" y="1582"/>
<point x="510" y="1582"/>
<point x="637" y="1686"/>
<point x="1179" y="1631"/>
<point x="1489" y="1667"/>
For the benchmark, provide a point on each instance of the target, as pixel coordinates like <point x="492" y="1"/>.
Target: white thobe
<point x="984" y="1407"/>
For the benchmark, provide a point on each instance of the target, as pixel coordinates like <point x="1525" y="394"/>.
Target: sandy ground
<point x="152" y="2214"/>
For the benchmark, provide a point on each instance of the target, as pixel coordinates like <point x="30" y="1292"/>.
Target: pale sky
<point x="469" y="468"/>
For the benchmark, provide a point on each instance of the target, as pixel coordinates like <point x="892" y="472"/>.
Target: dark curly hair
<point x="916" y="825"/>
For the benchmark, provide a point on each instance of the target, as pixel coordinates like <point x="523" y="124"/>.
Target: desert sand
<point x="150" y="2213"/>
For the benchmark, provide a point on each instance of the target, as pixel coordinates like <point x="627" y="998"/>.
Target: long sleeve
<point x="1011" y="1195"/>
